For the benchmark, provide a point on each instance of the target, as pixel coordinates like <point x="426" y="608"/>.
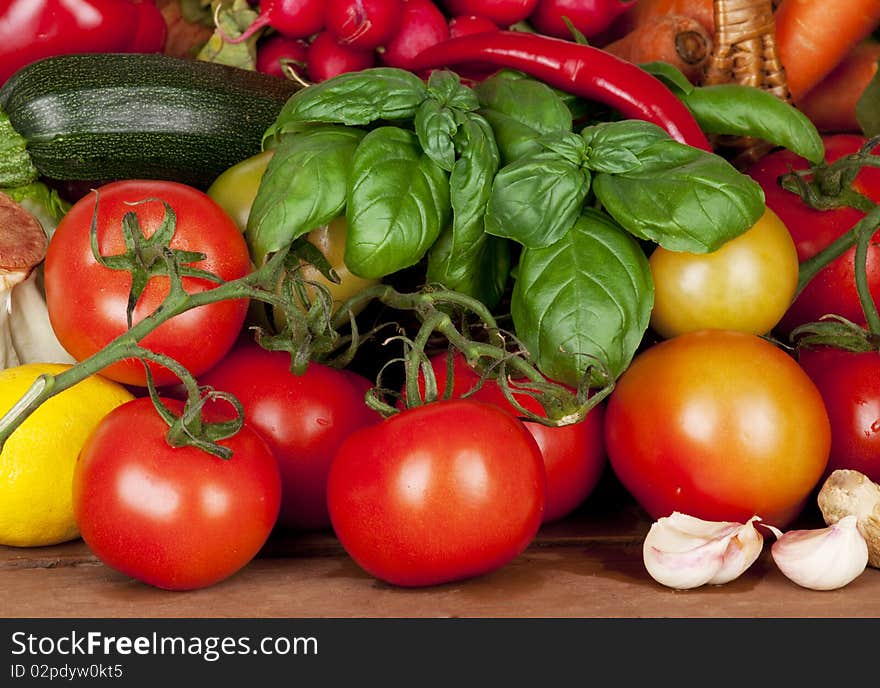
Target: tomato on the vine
<point x="574" y="455"/>
<point x="720" y="425"/>
<point x="304" y="418"/>
<point x="833" y="289"/>
<point x="87" y="301"/>
<point x="746" y="285"/>
<point x="849" y="382"/>
<point x="437" y="493"/>
<point x="175" y="518"/>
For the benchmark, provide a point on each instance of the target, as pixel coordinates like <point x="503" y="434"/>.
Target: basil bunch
<point x="495" y="181"/>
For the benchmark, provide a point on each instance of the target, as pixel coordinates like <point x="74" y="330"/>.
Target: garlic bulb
<point x="823" y="558"/>
<point x="847" y="492"/>
<point x="683" y="552"/>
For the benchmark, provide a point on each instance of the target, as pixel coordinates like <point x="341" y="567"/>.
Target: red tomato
<point x="87" y="301"/>
<point x="175" y="518"/>
<point x="574" y="455"/>
<point x="850" y="385"/>
<point x="303" y="418"/>
<point x="719" y="425"/>
<point x="437" y="493"/>
<point x="833" y="290"/>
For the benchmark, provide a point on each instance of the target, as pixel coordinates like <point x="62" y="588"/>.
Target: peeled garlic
<point x="823" y="558"/>
<point x="683" y="552"/>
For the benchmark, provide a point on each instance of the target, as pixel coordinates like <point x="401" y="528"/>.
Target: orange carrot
<point x="831" y="104"/>
<point x="648" y="10"/>
<point x="813" y="36"/>
<point x="678" y="40"/>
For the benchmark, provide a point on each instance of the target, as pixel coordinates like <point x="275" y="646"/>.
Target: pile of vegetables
<point x="428" y="299"/>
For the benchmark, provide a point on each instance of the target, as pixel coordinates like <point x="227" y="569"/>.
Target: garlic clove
<point x="823" y="558"/>
<point x="683" y="552"/>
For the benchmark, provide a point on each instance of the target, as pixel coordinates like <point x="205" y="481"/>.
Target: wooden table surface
<point x="587" y="566"/>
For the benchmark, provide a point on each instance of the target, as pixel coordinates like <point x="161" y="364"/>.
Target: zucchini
<point x="90" y="117"/>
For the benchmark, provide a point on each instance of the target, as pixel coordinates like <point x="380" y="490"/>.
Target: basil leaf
<point x="304" y="186"/>
<point x="521" y="110"/>
<point x="740" y="110"/>
<point x="464" y="257"/>
<point x="435" y="125"/>
<point x="670" y="75"/>
<point x="353" y="98"/>
<point x="398" y="202"/>
<point x="868" y="107"/>
<point x="614" y="147"/>
<point x="446" y="88"/>
<point x="587" y="296"/>
<point x="683" y="198"/>
<point x="536" y="199"/>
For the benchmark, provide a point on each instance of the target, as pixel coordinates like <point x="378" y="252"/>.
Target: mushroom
<point x="851" y="493"/>
<point x="26" y="335"/>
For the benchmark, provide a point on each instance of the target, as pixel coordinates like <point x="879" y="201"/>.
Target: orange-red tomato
<point x="720" y="425"/>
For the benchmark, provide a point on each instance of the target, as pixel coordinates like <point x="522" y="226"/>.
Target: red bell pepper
<point x="576" y="68"/>
<point x="33" y="29"/>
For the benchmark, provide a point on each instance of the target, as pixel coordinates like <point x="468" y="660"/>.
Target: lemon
<point x="37" y="461"/>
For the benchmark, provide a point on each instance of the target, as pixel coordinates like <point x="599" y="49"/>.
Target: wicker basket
<point x="744" y="52"/>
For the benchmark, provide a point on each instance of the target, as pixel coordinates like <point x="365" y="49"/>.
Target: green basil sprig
<point x="465" y="257"/>
<point x="683" y="198"/>
<point x="521" y="110"/>
<point x="397" y="203"/>
<point x="587" y="296"/>
<point x="305" y="186"/>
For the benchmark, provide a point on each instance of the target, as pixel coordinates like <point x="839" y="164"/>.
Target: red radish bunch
<point x="323" y="38"/>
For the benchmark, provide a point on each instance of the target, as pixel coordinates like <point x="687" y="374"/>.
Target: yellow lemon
<point x="37" y="461"/>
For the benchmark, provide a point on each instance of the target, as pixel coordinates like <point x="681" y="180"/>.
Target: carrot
<point x="678" y="40"/>
<point x="645" y="11"/>
<point x="831" y="104"/>
<point x="813" y="36"/>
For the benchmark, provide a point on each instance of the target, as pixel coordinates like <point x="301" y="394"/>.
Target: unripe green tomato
<point x="235" y="188"/>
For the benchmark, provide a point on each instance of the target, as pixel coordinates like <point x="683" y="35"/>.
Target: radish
<point x="363" y="23"/>
<point x="422" y="25"/>
<point x="277" y="50"/>
<point x="500" y="12"/>
<point x="293" y="18"/>
<point x="328" y="58"/>
<point x="464" y="25"/>
<point x="590" y="17"/>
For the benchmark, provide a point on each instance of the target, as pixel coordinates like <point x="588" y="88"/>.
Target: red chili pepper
<point x="576" y="68"/>
<point x="33" y="29"/>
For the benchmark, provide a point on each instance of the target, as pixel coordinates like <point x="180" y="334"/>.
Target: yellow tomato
<point x="746" y="285"/>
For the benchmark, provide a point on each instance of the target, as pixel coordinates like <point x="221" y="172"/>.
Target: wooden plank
<point x="588" y="565"/>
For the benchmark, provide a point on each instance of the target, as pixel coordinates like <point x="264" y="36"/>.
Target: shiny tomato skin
<point x="174" y="518"/>
<point x="833" y="289"/>
<point x="304" y="419"/>
<point x="850" y="385"/>
<point x="87" y="301"/>
<point x="746" y="285"/>
<point x="720" y="425"/>
<point x="437" y="493"/>
<point x="574" y="455"/>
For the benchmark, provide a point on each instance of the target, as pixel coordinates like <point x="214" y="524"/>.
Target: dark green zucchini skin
<point x="134" y="116"/>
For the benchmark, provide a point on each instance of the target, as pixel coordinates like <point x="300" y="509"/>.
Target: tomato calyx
<point x="827" y="186"/>
<point x="836" y="332"/>
<point x="190" y="429"/>
<point x="145" y="257"/>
